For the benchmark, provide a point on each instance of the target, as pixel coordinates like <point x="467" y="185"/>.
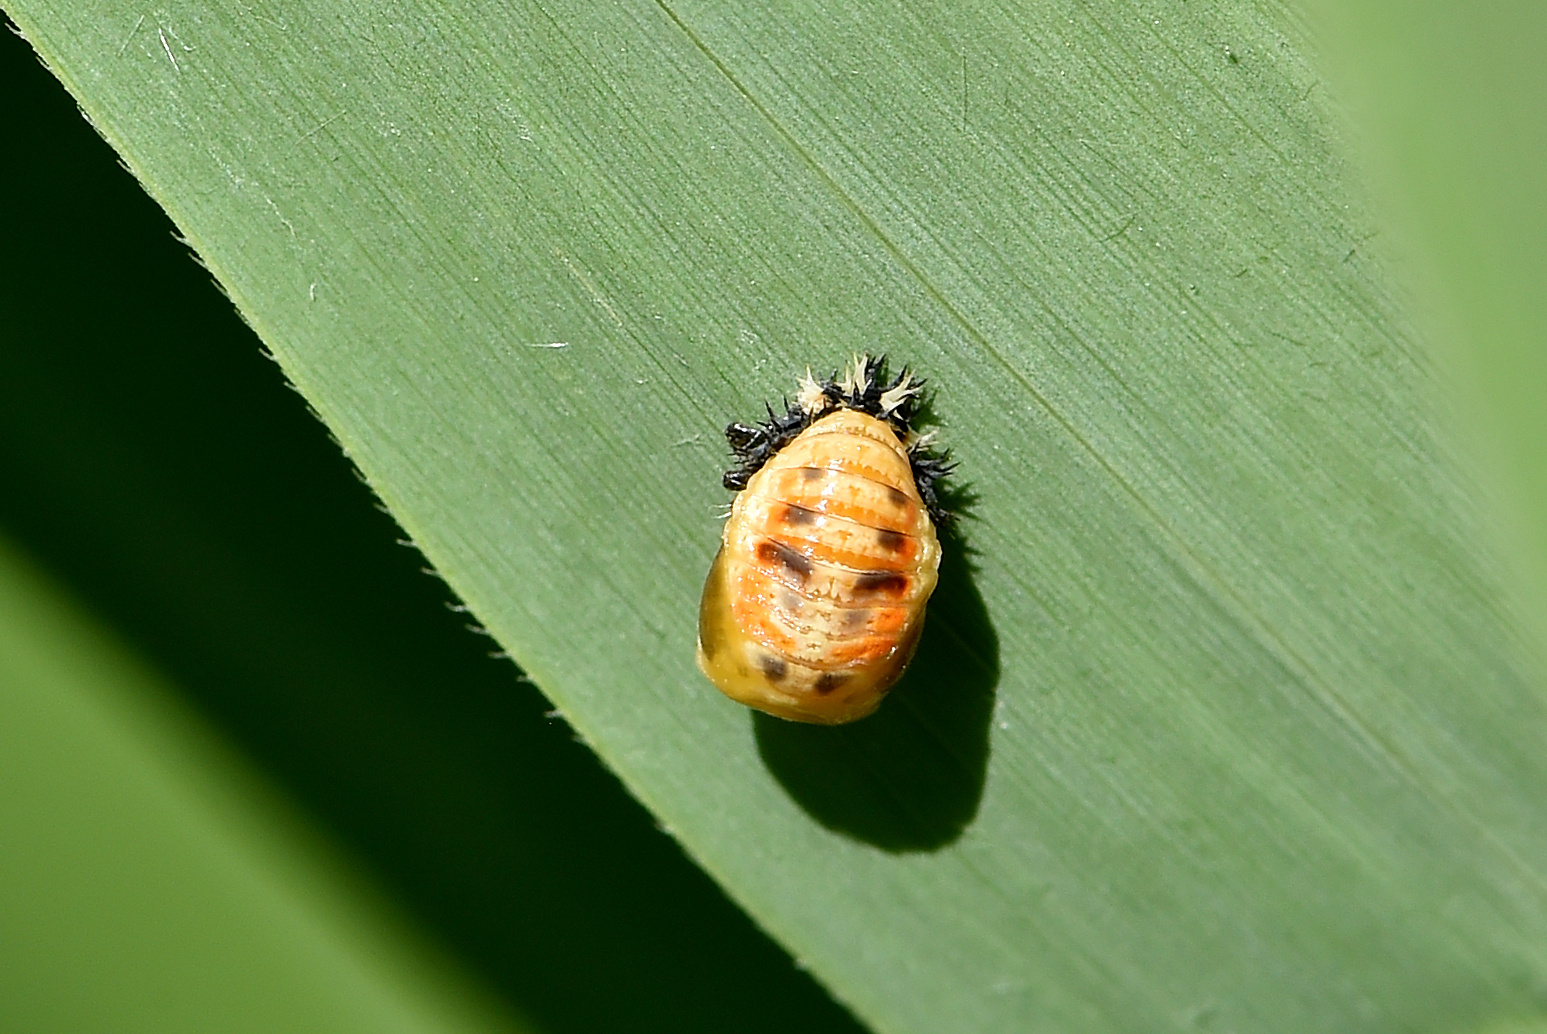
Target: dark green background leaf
<point x="156" y="461"/>
<point x="151" y="882"/>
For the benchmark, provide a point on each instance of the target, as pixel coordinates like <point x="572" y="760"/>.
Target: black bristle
<point x="754" y="445"/>
<point x="929" y="469"/>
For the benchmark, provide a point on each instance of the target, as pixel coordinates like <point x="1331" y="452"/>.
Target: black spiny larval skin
<point x="862" y="387"/>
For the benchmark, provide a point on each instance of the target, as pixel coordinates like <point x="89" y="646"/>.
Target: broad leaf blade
<point x="1224" y="707"/>
<point x="157" y="464"/>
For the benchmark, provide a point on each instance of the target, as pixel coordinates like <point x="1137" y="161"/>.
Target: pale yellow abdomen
<point x="815" y="602"/>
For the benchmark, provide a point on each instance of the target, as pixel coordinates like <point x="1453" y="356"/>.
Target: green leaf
<point x="157" y="464"/>
<point x="150" y="882"/>
<point x="1220" y="721"/>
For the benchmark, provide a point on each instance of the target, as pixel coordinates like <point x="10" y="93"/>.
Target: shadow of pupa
<point x="908" y="778"/>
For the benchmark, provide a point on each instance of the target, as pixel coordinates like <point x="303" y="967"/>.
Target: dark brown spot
<point x="885" y="583"/>
<point x="901" y="655"/>
<point x="891" y="541"/>
<point x="898" y="499"/>
<point x="771" y="552"/>
<point x="811" y="473"/>
<point x="830" y="681"/>
<point x="795" y="516"/>
<point x="856" y="619"/>
<point x="773" y="667"/>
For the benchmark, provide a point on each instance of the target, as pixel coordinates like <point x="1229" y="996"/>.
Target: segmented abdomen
<point x="829" y="557"/>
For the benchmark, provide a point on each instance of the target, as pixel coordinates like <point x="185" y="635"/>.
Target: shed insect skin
<point x="815" y="602"/>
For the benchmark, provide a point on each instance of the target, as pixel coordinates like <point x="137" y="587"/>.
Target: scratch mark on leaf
<point x="167" y="47"/>
<point x="590" y="287"/>
<point x="281" y="215"/>
<point x="323" y="124"/>
<point x="125" y="45"/>
<point x="1121" y="229"/>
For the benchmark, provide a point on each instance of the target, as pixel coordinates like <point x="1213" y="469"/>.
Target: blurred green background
<point x="1451" y="103"/>
<point x="157" y="466"/>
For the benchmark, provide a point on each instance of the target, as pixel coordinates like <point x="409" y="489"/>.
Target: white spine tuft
<point x="904" y="391"/>
<point x="856" y="379"/>
<point x="810" y="397"/>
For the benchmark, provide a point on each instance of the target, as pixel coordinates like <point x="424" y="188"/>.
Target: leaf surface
<point x="1219" y="721"/>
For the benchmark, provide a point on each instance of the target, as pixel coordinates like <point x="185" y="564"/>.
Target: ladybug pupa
<point x="815" y="602"/>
